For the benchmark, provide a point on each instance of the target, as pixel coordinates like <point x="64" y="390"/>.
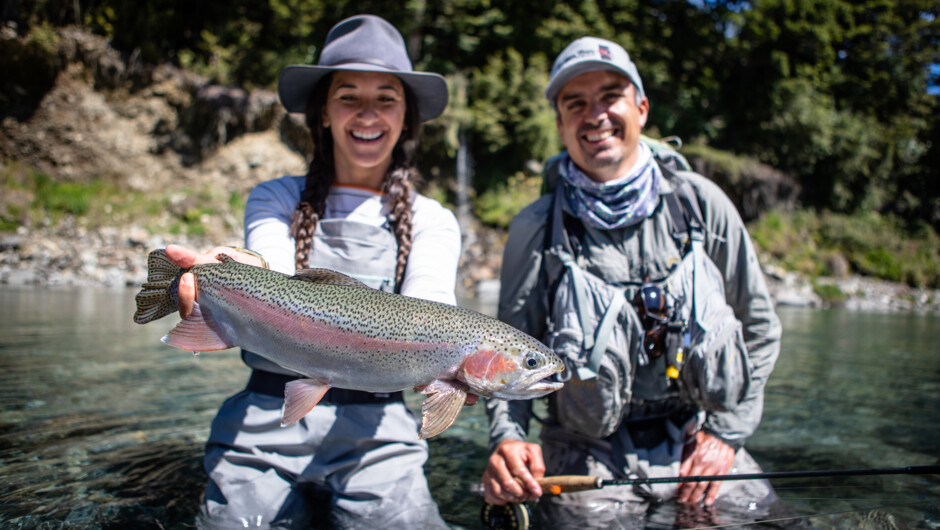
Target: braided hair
<point x="396" y="185"/>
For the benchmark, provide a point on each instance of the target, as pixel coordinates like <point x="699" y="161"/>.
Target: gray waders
<point x="354" y="462"/>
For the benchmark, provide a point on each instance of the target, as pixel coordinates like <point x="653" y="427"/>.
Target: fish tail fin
<point x="156" y="298"/>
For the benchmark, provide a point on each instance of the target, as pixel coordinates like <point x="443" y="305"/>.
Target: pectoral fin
<point x="441" y="407"/>
<point x="196" y="333"/>
<point x="300" y="396"/>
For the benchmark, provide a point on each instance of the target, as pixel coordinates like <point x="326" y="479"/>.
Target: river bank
<point x="194" y="150"/>
<point x="69" y="255"/>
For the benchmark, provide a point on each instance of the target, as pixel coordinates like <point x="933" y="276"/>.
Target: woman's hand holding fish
<point x="512" y="471"/>
<point x="187" y="257"/>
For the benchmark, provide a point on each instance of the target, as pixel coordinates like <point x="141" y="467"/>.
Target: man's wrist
<point x="736" y="443"/>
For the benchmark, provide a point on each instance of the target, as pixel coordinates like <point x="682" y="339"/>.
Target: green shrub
<point x="831" y="294"/>
<point x="872" y="244"/>
<point x="498" y="205"/>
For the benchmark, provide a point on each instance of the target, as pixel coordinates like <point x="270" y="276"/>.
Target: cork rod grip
<point x="568" y="483"/>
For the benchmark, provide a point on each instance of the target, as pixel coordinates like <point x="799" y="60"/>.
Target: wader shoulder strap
<point x="563" y="249"/>
<point x="684" y="210"/>
<point x="595" y="335"/>
<point x="683" y="199"/>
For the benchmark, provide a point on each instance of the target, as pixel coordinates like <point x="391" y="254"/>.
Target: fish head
<point x="511" y="369"/>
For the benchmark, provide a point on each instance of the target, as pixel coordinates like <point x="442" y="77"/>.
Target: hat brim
<point x="583" y="67"/>
<point x="296" y="83"/>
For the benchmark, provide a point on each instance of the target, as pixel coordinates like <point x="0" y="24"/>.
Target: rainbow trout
<point x="337" y="332"/>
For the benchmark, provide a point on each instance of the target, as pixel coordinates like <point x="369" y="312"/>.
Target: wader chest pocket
<point x="597" y="334"/>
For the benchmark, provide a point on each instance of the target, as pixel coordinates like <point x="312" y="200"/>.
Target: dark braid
<point x="397" y="188"/>
<point x="320" y="176"/>
<point x="397" y="184"/>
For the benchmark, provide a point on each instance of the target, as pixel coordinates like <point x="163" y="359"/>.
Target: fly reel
<point x="506" y="517"/>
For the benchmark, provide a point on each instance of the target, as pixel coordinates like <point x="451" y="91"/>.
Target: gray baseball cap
<point x="364" y="43"/>
<point x="588" y="54"/>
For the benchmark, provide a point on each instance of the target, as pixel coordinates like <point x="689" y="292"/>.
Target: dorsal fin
<point x="327" y="277"/>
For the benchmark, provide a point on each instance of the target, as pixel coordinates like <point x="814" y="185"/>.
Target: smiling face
<point x="365" y="112"/>
<point x="599" y="123"/>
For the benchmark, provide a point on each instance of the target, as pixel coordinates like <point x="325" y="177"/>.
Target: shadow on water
<point x="144" y="485"/>
<point x="103" y="426"/>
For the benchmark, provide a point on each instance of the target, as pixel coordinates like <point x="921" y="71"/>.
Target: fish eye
<point x="533" y="360"/>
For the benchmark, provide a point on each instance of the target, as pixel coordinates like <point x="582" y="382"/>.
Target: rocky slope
<point x="104" y="116"/>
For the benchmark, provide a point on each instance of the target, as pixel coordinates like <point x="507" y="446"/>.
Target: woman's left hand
<point x="709" y="456"/>
<point x="187" y="257"/>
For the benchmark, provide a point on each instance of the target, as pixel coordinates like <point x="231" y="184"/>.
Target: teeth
<point x="597" y="137"/>
<point x="365" y="135"/>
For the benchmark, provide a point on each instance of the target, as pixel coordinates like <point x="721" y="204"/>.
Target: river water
<point x="101" y="425"/>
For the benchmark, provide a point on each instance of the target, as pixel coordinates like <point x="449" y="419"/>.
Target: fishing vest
<point x="594" y="326"/>
<point x="363" y="251"/>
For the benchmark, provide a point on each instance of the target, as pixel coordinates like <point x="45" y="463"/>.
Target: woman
<point x="354" y="212"/>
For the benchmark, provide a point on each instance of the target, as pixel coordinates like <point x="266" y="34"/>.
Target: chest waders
<point x="644" y="401"/>
<point x="595" y="327"/>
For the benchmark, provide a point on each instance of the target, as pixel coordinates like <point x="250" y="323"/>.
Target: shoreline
<point x="115" y="257"/>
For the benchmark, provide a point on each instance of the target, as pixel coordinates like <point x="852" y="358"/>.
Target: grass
<point x="830" y="294"/>
<point x="872" y="244"/>
<point x="809" y="242"/>
<point x="805" y="241"/>
<point x="32" y="198"/>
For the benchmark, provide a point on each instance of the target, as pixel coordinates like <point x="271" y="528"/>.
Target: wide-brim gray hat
<point x="364" y="43"/>
<point x="589" y="54"/>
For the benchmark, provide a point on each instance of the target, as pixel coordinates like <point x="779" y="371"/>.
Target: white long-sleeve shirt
<point x="432" y="264"/>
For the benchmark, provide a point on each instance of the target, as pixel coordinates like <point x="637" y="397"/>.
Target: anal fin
<point x="196" y="333"/>
<point x="300" y="396"/>
<point x="440" y="409"/>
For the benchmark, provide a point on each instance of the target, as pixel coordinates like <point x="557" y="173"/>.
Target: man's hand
<point x="187" y="257"/>
<point x="709" y="456"/>
<point x="512" y="460"/>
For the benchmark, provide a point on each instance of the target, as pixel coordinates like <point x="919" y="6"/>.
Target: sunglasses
<point x="654" y="311"/>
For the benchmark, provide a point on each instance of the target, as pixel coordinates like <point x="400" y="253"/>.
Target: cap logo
<point x="604" y="51"/>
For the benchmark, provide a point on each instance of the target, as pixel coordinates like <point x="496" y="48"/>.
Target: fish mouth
<point x="531" y="386"/>
<point x="545" y="386"/>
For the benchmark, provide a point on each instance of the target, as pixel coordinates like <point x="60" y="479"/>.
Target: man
<point x="616" y="202"/>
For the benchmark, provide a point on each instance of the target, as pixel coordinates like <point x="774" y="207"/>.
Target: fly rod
<point x="570" y="483"/>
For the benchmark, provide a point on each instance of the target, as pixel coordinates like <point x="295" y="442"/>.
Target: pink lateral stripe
<point x="305" y="329"/>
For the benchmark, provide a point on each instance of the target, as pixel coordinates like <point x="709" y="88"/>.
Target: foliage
<point x="33" y="198"/>
<point x="29" y="68"/>
<point x="509" y="126"/>
<point x="872" y="244"/>
<point x="498" y="205"/>
<point x="832" y="92"/>
<point x="836" y="94"/>
<point x="830" y="294"/>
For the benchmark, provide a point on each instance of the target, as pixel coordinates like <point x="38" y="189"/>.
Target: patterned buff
<point x="622" y="202"/>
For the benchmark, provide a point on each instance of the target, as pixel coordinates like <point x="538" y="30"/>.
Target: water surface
<point x="102" y="425"/>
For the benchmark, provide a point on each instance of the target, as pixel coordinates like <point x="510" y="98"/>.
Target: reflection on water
<point x="103" y="425"/>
